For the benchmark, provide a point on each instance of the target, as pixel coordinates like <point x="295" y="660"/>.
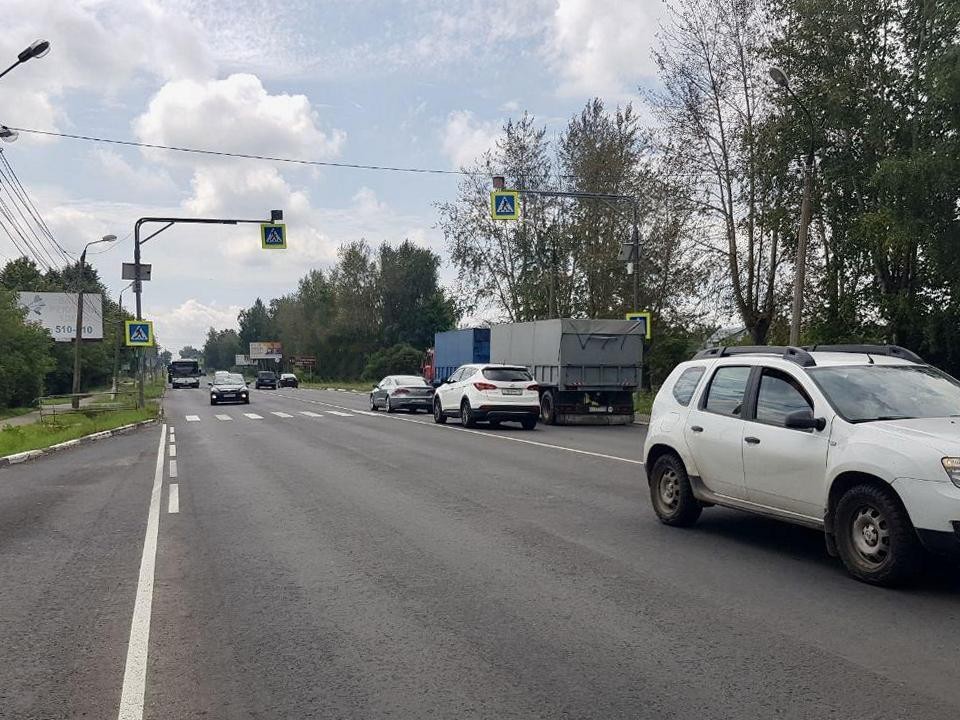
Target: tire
<point x="670" y="493"/>
<point x="438" y="417"/>
<point x="875" y="538"/>
<point x="389" y="406"/>
<point x="546" y="409"/>
<point x="247" y="401"/>
<point x="529" y="423"/>
<point x="213" y="402"/>
<point x="467" y="418"/>
<point x="373" y="404"/>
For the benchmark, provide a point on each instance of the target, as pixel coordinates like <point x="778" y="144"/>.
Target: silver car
<point x="402" y="392"/>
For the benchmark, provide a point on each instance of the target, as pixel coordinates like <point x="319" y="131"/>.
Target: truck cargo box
<point x="459" y="347"/>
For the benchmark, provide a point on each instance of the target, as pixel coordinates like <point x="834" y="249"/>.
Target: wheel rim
<point x="464" y="414"/>
<point x="436" y="410"/>
<point x="870" y="535"/>
<point x="373" y="403"/>
<point x="668" y="490"/>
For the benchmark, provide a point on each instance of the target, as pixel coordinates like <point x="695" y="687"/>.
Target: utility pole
<point x="116" y="352"/>
<point x="78" y="336"/>
<point x="636" y="258"/>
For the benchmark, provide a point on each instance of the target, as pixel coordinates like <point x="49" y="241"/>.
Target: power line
<point x="249" y="156"/>
<point x="33" y="210"/>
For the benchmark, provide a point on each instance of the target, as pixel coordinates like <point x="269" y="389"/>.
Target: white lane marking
<point x="173" y="468"/>
<point x="173" y="500"/>
<point x="310" y="414"/>
<point x="135" y="669"/>
<point x="193" y="418"/>
<point x="337" y="412"/>
<point x="367" y="412"/>
<point x="253" y="416"/>
<point x="492" y="436"/>
<point x="281" y="414"/>
<point x="223" y="417"/>
<point x="173" y="450"/>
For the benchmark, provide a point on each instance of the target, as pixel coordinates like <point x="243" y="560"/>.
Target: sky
<point x="412" y="83"/>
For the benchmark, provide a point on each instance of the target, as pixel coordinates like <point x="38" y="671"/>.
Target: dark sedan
<point x="402" y="392"/>
<point x="289" y="380"/>
<point x="266" y="379"/>
<point x="229" y="388"/>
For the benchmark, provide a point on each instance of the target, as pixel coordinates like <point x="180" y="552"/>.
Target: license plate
<point x="512" y="391"/>
<point x="598" y="409"/>
<point x="228" y="395"/>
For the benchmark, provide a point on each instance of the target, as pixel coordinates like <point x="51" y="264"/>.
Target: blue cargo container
<point x="459" y="347"/>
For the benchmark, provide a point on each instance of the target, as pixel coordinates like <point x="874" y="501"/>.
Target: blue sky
<point x="401" y="82"/>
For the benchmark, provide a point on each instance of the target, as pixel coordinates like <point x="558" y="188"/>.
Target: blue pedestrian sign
<point x="138" y="333"/>
<point x="273" y="236"/>
<point x="505" y="205"/>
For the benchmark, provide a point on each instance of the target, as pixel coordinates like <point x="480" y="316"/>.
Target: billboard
<point x="57" y="312"/>
<point x="241" y="360"/>
<point x="265" y="351"/>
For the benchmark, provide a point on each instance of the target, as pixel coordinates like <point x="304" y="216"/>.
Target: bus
<point x="184" y="373"/>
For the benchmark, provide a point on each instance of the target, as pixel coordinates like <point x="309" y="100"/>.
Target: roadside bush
<point x="400" y="359"/>
<point x="24" y="355"/>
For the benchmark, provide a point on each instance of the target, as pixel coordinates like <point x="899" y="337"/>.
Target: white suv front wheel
<point x="671" y="494"/>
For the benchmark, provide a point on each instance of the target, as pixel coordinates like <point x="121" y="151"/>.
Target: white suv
<point x="861" y="441"/>
<point x="488" y="392"/>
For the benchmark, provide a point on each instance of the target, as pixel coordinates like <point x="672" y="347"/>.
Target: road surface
<point x="318" y="561"/>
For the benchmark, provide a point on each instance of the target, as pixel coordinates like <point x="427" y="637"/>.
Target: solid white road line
<point x="253" y="416"/>
<point x="310" y="414"/>
<point x="223" y="417"/>
<point x="341" y="414"/>
<point x="173" y="450"/>
<point x="173" y="500"/>
<point x="173" y="468"/>
<point x="135" y="669"/>
<point x="281" y="414"/>
<point x="193" y="418"/>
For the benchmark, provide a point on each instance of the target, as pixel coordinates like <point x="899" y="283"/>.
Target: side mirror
<point x="804" y="420"/>
<point x="209" y="384"/>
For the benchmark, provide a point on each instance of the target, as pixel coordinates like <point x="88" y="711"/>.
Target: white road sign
<point x="57" y="312"/>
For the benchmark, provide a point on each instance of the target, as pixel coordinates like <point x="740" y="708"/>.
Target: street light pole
<point x="116" y="351"/>
<point x="806" y="209"/>
<point x="78" y="335"/>
<point x="37" y="49"/>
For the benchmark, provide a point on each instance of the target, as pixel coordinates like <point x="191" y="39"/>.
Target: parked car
<point x="266" y="379"/>
<point x="402" y="392"/>
<point x="488" y="392"/>
<point x="859" y="441"/>
<point x="289" y="380"/>
<point x="229" y="387"/>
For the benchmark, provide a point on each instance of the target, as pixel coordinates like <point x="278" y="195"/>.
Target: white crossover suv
<point x="861" y="441"/>
<point x="488" y="392"/>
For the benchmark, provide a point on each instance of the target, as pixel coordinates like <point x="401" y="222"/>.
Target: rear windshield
<point x="266" y="375"/>
<point x="409" y="380"/>
<point x="507" y="374"/>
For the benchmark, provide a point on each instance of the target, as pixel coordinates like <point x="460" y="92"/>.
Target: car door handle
<point x="696" y="428"/>
<point x="752" y="440"/>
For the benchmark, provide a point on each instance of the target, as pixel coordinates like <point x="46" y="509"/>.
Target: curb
<point x="31" y="454"/>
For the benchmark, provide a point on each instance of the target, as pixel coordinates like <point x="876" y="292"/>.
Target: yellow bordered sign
<point x="646" y="318"/>
<point x="138" y="333"/>
<point x="273" y="236"/>
<point x="505" y="205"/>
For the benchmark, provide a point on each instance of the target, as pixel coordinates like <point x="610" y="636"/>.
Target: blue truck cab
<point x="459" y="347"/>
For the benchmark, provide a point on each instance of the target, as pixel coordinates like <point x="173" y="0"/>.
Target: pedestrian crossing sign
<point x="273" y="236"/>
<point x="138" y="333"/>
<point x="505" y="205"/>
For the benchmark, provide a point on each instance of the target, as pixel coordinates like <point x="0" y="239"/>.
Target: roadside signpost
<point x="138" y="333"/>
<point x="130" y="271"/>
<point x="273" y="236"/>
<point x="505" y="205"/>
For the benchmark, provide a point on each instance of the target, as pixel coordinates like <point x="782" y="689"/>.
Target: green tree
<point x="190" y="353"/>
<point x="400" y="359"/>
<point x="24" y="355"/>
<point x="256" y="325"/>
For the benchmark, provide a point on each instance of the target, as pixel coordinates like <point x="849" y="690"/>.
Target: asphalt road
<point x="325" y="562"/>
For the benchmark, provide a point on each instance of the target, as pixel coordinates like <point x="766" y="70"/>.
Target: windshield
<point x="229" y="379"/>
<point x="410" y="380"/>
<point x="188" y="367"/>
<point x="507" y="374"/>
<point x="861" y="393"/>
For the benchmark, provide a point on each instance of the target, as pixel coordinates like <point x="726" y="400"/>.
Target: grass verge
<point x="42" y="435"/>
<point x="643" y="402"/>
<point x="14" y="412"/>
<point x="361" y="385"/>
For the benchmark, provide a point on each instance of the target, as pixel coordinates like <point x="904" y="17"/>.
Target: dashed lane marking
<point x="223" y="417"/>
<point x="311" y="414"/>
<point x="193" y="418"/>
<point x="173" y="499"/>
<point x="341" y="414"/>
<point x="173" y="468"/>
<point x="173" y="450"/>
<point x="281" y="414"/>
<point x="253" y="416"/>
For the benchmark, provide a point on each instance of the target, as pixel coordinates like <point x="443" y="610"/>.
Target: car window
<point x="686" y="384"/>
<point x="727" y="388"/>
<point x="778" y="396"/>
<point x="408" y="380"/>
<point x="507" y="374"/>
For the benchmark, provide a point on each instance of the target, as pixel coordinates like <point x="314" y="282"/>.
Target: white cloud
<point x="602" y="47"/>
<point x="465" y="138"/>
<point x="187" y="323"/>
<point x="148" y="181"/>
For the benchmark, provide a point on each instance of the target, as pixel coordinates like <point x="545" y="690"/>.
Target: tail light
<point x="533" y="387"/>
<point x="401" y="391"/>
<point x="484" y="386"/>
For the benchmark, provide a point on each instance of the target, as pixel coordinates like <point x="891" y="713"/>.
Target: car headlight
<point x="952" y="466"/>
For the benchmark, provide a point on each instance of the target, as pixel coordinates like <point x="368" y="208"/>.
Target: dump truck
<point x="587" y="370"/>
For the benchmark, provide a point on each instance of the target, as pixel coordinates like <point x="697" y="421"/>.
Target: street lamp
<point x="75" y="399"/>
<point x="116" y="352"/>
<point x="8" y="135"/>
<point x="37" y="49"/>
<point x="780" y="78"/>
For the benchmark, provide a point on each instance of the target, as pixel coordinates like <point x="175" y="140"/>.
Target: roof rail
<point x="888" y="350"/>
<point x="794" y="354"/>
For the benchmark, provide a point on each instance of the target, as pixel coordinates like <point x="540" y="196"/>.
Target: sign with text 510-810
<point x="57" y="313"/>
<point x="273" y="236"/>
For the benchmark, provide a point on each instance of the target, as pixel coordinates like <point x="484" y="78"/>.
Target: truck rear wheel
<point x="546" y="409"/>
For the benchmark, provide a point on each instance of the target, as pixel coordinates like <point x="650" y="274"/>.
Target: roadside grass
<point x="360" y="385"/>
<point x="6" y="413"/>
<point x="68" y="427"/>
<point x="643" y="401"/>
